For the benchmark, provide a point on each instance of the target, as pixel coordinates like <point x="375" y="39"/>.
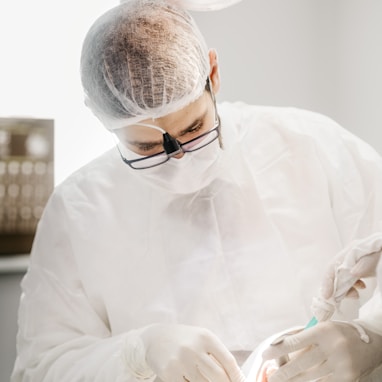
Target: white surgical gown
<point x="242" y="257"/>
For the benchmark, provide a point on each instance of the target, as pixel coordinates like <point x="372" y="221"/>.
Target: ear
<point x="214" y="70"/>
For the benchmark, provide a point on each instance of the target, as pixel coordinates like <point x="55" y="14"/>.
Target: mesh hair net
<point x="204" y="5"/>
<point x="142" y="59"/>
<point x="207" y="5"/>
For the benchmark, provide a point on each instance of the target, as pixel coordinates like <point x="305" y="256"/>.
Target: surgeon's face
<point x="196" y="132"/>
<point x="183" y="125"/>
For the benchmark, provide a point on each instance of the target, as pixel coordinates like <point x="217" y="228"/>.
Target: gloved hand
<point x="186" y="353"/>
<point x="359" y="259"/>
<point x="330" y="350"/>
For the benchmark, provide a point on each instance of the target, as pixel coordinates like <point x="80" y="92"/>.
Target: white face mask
<point x="191" y="173"/>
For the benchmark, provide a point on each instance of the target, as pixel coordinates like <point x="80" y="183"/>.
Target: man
<point x="205" y="231"/>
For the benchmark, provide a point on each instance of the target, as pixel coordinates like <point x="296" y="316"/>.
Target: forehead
<point x="172" y="123"/>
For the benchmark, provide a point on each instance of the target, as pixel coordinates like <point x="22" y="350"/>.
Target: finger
<point x="178" y="374"/>
<point x="300" y="366"/>
<point x="360" y="284"/>
<point x="367" y="265"/>
<point x="295" y="342"/>
<point x="233" y="371"/>
<point x="219" y="353"/>
<point x="319" y="373"/>
<point x="327" y="286"/>
<point x="281" y="350"/>
<point x="352" y="293"/>
<point x="195" y="375"/>
<point x="288" y="345"/>
<point x="187" y="372"/>
<point x="211" y="369"/>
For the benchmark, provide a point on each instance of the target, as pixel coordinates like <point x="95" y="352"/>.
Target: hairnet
<point x="142" y="59"/>
<point x="207" y="5"/>
<point x="203" y="5"/>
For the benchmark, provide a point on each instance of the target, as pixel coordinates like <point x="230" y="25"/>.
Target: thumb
<point x="327" y="285"/>
<point x="366" y="266"/>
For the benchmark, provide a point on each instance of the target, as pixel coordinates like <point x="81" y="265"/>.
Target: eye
<point x="194" y="129"/>
<point x="147" y="147"/>
<point x="144" y="148"/>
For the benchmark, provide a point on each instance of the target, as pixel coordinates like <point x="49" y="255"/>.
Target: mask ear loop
<point x="217" y="117"/>
<point x="209" y="88"/>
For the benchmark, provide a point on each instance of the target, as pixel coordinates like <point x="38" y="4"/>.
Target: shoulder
<point x="92" y="172"/>
<point x="254" y="118"/>
<point x="266" y="133"/>
<point x="99" y="180"/>
<point x="289" y="126"/>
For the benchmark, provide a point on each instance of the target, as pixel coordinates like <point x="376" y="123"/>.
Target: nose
<point x="178" y="156"/>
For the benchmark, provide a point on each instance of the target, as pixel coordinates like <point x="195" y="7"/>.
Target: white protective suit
<point x="242" y="257"/>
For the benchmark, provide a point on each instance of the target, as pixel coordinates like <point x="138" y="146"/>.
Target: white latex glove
<point x="178" y="353"/>
<point x="358" y="260"/>
<point x="330" y="350"/>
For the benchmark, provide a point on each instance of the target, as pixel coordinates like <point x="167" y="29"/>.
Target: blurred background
<point x="322" y="55"/>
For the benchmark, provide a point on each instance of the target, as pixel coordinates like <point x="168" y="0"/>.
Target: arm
<point x="65" y="336"/>
<point x="61" y="336"/>
<point x="354" y="174"/>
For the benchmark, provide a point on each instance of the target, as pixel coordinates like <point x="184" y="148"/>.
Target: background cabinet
<point x="12" y="270"/>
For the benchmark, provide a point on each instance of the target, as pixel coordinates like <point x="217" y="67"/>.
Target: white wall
<point x="40" y="44"/>
<point x="322" y="55"/>
<point x="359" y="103"/>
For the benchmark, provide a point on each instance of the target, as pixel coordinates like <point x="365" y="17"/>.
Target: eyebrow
<point x="196" y="122"/>
<point x="142" y="144"/>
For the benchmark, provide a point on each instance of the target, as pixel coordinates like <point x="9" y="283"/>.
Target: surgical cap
<point x="142" y="59"/>
<point x="207" y="5"/>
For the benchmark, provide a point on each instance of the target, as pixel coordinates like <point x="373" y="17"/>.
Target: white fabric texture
<point x="242" y="257"/>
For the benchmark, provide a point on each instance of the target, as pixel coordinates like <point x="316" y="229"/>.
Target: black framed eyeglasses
<point x="173" y="147"/>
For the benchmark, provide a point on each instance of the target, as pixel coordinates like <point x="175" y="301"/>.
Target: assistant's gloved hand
<point x="343" y="277"/>
<point x="331" y="350"/>
<point x="187" y="353"/>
